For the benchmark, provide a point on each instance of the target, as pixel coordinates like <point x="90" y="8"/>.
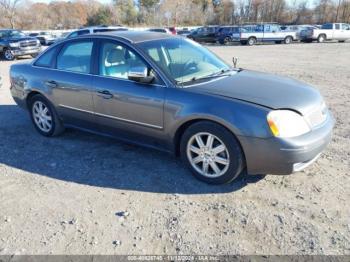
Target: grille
<point x="318" y="116"/>
<point x="28" y="43"/>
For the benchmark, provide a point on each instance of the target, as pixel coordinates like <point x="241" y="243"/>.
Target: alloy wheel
<point x="42" y="116"/>
<point x="9" y="55"/>
<point x="208" y="155"/>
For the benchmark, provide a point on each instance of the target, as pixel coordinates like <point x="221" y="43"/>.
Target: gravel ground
<point x="84" y="194"/>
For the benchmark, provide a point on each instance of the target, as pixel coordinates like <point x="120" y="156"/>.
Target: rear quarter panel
<point x="26" y="79"/>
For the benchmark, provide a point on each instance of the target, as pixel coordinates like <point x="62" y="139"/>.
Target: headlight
<point x="14" y="44"/>
<point x="287" y="123"/>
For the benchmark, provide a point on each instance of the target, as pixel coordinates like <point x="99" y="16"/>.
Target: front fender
<point x="241" y="118"/>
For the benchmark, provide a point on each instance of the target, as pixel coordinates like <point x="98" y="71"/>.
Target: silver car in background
<point x="170" y="93"/>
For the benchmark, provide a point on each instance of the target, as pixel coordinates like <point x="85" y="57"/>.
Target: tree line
<point x="58" y="14"/>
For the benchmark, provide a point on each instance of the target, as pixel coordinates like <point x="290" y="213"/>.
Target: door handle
<point x="51" y="83"/>
<point x="105" y="94"/>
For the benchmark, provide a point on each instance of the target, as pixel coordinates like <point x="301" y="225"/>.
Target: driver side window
<point x="116" y="60"/>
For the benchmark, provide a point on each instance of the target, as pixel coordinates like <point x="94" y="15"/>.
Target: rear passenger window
<point x="45" y="60"/>
<point x="337" y="26"/>
<point x="75" y="57"/>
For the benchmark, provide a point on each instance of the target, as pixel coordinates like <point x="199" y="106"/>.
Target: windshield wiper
<point x="218" y="74"/>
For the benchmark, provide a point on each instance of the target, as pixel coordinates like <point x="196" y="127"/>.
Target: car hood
<point x="268" y="90"/>
<point x="17" y="39"/>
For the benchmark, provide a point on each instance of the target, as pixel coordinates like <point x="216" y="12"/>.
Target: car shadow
<point x="98" y="161"/>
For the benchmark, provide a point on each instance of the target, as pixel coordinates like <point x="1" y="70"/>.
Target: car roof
<point x="137" y="36"/>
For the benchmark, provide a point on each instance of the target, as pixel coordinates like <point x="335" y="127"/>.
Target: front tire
<point x="8" y="54"/>
<point x="212" y="153"/>
<point x="226" y="41"/>
<point x="44" y="116"/>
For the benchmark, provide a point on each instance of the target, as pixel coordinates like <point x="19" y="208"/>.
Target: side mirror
<point x="140" y="74"/>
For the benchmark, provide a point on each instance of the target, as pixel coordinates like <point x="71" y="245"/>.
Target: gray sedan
<point x="170" y="93"/>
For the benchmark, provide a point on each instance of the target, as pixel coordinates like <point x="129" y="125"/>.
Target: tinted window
<point x="158" y="30"/>
<point x="116" y="60"/>
<point x="337" y="26"/>
<point x="75" y="57"/>
<point x="345" y="27"/>
<point x="45" y="60"/>
<point x="83" y="32"/>
<point x="103" y="30"/>
<point x="327" y="26"/>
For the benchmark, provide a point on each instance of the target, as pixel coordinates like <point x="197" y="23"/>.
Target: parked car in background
<point x="173" y="30"/>
<point x="160" y="30"/>
<point x="184" y="32"/>
<point x="169" y="93"/>
<point x="95" y="29"/>
<point x="268" y="32"/>
<point x="205" y="34"/>
<point x="329" y="31"/>
<point x="228" y="34"/>
<point x="45" y="38"/>
<point x="15" y="43"/>
<point x="298" y="29"/>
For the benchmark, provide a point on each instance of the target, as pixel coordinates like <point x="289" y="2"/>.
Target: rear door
<point x="71" y="83"/>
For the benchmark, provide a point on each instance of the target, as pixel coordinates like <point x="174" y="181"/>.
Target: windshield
<point x="15" y="33"/>
<point x="183" y="60"/>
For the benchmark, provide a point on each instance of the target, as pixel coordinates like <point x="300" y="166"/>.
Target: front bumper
<point x="288" y="155"/>
<point x="26" y="51"/>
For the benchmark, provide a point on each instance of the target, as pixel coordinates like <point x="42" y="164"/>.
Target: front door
<point x="124" y="107"/>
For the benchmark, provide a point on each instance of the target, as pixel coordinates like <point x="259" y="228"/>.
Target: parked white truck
<point x="329" y="31"/>
<point x="252" y="34"/>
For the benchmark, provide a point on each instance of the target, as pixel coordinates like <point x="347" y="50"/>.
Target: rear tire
<point x="44" y="116"/>
<point x="288" y="40"/>
<point x="251" y="41"/>
<point x="321" y="38"/>
<point x="218" y="159"/>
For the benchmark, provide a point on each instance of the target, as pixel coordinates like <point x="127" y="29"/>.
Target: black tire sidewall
<point x="253" y="41"/>
<point x="13" y="56"/>
<point x="288" y="40"/>
<point x="52" y="113"/>
<point x="232" y="145"/>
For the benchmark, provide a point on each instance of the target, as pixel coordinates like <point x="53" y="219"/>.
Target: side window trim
<point x="53" y="59"/>
<point x="71" y="42"/>
<point x="96" y="62"/>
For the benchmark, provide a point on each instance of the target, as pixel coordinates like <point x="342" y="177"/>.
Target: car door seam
<point x="112" y="117"/>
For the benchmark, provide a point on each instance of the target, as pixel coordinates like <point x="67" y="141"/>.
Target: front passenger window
<point x="116" y="60"/>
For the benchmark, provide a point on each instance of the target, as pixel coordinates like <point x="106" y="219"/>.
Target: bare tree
<point x="9" y="9"/>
